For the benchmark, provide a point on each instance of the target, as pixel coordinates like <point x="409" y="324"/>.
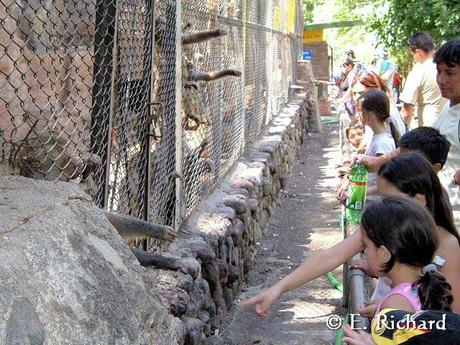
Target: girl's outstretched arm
<point x="320" y="264"/>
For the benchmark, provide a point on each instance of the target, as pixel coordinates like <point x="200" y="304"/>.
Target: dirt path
<point x="306" y="220"/>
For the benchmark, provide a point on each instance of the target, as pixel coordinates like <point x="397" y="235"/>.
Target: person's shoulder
<point x="385" y="139"/>
<point x="414" y="73"/>
<point x="446" y="112"/>
<point x="428" y="66"/>
<point x="382" y="143"/>
<point x="447" y="241"/>
<point x="397" y="301"/>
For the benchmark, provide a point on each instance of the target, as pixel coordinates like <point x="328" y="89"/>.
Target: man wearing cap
<point x="385" y="69"/>
<point x="421" y="95"/>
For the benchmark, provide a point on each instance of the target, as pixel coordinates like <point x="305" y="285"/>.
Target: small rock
<point x="214" y="340"/>
<point x="233" y="274"/>
<point x="242" y="183"/>
<point x="202" y="250"/>
<point x="194" y="331"/>
<point x="226" y="212"/>
<point x="238" y="202"/>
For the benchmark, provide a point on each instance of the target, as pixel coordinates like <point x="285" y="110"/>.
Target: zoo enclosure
<point x="106" y="93"/>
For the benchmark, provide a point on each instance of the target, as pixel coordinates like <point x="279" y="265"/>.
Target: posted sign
<point x="307" y="54"/>
<point x="311" y="36"/>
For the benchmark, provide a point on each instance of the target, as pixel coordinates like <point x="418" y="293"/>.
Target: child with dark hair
<point x="428" y="141"/>
<point x="371" y="80"/>
<point x="375" y="110"/>
<point x="374" y="107"/>
<point x="400" y="240"/>
<point x="355" y="135"/>
<point x="412" y="175"/>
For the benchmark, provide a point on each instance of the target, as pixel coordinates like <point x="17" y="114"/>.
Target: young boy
<point x="428" y="141"/>
<point x="355" y="135"/>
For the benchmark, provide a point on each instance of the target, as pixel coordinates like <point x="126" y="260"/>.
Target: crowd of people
<point x="409" y="228"/>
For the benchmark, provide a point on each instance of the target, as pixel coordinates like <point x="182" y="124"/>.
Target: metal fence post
<point x="180" y="211"/>
<point x="244" y="34"/>
<point x="151" y="115"/>
<point x="112" y="106"/>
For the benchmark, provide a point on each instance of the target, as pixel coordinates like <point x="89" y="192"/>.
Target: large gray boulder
<point x="67" y="277"/>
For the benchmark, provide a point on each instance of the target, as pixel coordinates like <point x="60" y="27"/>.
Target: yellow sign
<point x="312" y="36"/>
<point x="277" y="18"/>
<point x="291" y="16"/>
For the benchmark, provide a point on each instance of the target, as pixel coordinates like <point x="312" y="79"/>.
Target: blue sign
<point x="307" y="54"/>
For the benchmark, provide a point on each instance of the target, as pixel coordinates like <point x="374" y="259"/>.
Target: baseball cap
<point x="427" y="327"/>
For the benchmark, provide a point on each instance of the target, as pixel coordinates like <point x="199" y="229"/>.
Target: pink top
<point x="409" y="292"/>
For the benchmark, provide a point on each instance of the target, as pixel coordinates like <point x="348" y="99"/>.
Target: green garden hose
<point x="340" y="333"/>
<point x="334" y="281"/>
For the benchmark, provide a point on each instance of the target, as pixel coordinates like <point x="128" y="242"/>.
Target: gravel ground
<point x="306" y="220"/>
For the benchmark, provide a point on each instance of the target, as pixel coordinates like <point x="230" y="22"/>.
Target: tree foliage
<point x="440" y="18"/>
<point x="395" y="21"/>
<point x="308" y="9"/>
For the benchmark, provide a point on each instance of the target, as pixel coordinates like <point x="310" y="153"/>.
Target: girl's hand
<point x="341" y="191"/>
<point x="356" y="338"/>
<point x="262" y="301"/>
<point x="362" y="264"/>
<point x="372" y="163"/>
<point x="369" y="309"/>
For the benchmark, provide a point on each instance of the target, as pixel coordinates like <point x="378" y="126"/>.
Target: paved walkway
<point x="306" y="220"/>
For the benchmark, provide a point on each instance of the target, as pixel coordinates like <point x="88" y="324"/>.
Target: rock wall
<point x="67" y="277"/>
<point x="221" y="236"/>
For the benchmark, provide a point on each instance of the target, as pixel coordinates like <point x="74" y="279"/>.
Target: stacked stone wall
<point x="221" y="237"/>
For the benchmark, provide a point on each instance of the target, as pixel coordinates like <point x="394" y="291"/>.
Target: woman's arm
<point x="450" y="251"/>
<point x="314" y="267"/>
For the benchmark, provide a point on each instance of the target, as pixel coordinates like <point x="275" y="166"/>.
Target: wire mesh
<point x="255" y="70"/>
<point x="128" y="153"/>
<point x="88" y="93"/>
<point x="46" y="79"/>
<point x="162" y="147"/>
<point x="210" y="148"/>
<point x="202" y="104"/>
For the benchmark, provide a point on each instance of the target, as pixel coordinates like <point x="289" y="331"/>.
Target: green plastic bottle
<point x="357" y="197"/>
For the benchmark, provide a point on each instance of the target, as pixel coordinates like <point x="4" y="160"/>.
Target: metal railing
<point x="355" y="281"/>
<point x="124" y="97"/>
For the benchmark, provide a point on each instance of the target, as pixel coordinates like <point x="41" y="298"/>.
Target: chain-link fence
<point x="147" y="104"/>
